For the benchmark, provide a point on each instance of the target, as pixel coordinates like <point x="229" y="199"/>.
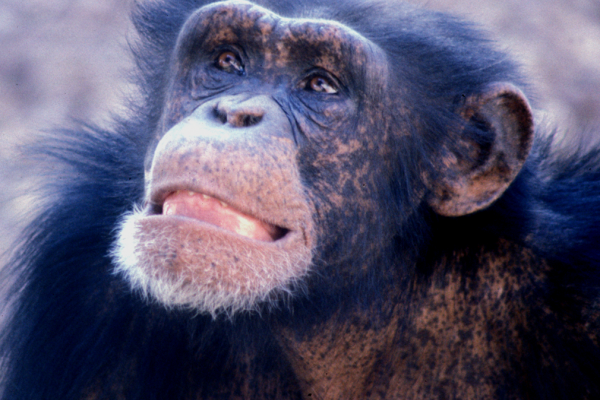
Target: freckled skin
<point x="326" y="201"/>
<point x="458" y="334"/>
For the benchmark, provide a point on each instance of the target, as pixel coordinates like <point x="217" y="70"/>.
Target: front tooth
<point x="190" y="193"/>
<point x="205" y="196"/>
<point x="223" y="204"/>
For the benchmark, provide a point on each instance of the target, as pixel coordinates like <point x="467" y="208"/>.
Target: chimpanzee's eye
<point x="230" y="62"/>
<point x="320" y="84"/>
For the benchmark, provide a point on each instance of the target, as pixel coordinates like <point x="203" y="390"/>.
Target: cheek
<point x="345" y="176"/>
<point x="346" y="206"/>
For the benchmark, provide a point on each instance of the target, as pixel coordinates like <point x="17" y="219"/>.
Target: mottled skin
<point x="416" y="241"/>
<point x="451" y="343"/>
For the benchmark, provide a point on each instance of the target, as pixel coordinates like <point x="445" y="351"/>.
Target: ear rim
<point x="463" y="188"/>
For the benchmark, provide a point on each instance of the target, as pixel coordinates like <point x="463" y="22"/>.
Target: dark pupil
<point x="226" y="60"/>
<point x="319" y="84"/>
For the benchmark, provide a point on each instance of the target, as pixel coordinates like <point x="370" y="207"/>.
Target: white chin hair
<point x="183" y="267"/>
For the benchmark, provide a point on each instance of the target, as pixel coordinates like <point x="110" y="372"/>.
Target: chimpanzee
<point x="311" y="199"/>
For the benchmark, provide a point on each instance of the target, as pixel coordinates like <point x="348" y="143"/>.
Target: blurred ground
<point x="65" y="59"/>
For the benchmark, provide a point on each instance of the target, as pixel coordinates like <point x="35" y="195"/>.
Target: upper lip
<point x="159" y="193"/>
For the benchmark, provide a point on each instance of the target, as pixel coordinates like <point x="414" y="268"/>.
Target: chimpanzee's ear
<point x="489" y="154"/>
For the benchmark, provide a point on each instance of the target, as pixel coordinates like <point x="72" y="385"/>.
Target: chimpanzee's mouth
<point x="211" y="210"/>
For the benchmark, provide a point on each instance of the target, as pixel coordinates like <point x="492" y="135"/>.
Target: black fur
<point x="76" y="330"/>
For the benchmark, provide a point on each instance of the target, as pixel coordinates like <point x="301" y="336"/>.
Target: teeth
<point x="169" y="209"/>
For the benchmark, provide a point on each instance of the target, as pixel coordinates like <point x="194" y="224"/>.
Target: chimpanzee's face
<point x="271" y="135"/>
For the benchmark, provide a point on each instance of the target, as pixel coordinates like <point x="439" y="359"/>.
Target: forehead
<point x="237" y="22"/>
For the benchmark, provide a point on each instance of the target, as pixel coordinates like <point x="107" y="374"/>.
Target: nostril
<point x="220" y="115"/>
<point x="250" y="120"/>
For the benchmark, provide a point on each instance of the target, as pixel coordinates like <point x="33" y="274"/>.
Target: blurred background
<point x="67" y="59"/>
